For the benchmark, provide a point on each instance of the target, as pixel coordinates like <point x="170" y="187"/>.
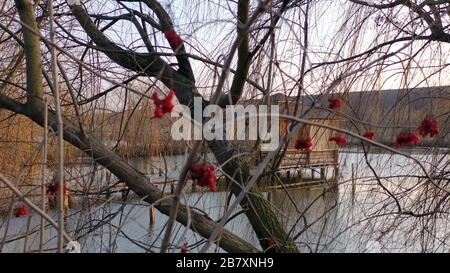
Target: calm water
<point x="321" y="219"/>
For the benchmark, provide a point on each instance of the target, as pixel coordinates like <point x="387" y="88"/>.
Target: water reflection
<point x="307" y="211"/>
<point x="321" y="218"/>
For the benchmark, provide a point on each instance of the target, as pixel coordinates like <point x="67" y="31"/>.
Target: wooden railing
<point x="294" y="158"/>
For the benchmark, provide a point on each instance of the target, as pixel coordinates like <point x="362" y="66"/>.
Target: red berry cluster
<point x="339" y="139"/>
<point x="369" y="135"/>
<point x="428" y="126"/>
<point x="205" y="174"/>
<point x="304" y="144"/>
<point x="52" y="188"/>
<point x="184" y="248"/>
<point x="334" y="103"/>
<point x="174" y="39"/>
<point x="163" y="105"/>
<point x="407" y="138"/>
<point x="21" y="211"/>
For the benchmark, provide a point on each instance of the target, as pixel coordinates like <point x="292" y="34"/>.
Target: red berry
<point x="205" y="175"/>
<point x="174" y="39"/>
<point x="171" y="95"/>
<point x="407" y="138"/>
<point x="156" y="99"/>
<point x="22" y="211"/>
<point x="339" y="139"/>
<point x="369" y="135"/>
<point x="159" y="113"/>
<point x="304" y="144"/>
<point x="334" y="103"/>
<point x="167" y="106"/>
<point x="428" y="126"/>
<point x="163" y="106"/>
<point x="53" y="188"/>
<point x="184" y="248"/>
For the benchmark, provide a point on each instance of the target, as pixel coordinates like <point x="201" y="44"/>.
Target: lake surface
<point x="361" y="215"/>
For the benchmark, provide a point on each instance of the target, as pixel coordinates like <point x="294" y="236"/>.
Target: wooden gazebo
<point x="324" y="153"/>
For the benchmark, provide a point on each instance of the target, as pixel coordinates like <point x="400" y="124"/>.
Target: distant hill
<point x="388" y="109"/>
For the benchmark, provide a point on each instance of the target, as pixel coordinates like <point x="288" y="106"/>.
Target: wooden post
<point x="43" y="177"/>
<point x="353" y="183"/>
<point x="322" y="173"/>
<point x="66" y="202"/>
<point x="194" y="186"/>
<point x="27" y="233"/>
<point x="336" y="170"/>
<point x="152" y="215"/>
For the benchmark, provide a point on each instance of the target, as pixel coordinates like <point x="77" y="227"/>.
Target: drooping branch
<point x="244" y="59"/>
<point x="72" y="133"/>
<point x="434" y="25"/>
<point x="379" y="6"/>
<point x="151" y="64"/>
<point x="245" y="56"/>
<point x="167" y="26"/>
<point x="134" y="179"/>
<point x="258" y="210"/>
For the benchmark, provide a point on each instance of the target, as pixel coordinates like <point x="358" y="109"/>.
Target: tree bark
<point x="257" y="209"/>
<point x="135" y="180"/>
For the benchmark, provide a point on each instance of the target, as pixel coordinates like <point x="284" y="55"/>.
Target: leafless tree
<point x="111" y="55"/>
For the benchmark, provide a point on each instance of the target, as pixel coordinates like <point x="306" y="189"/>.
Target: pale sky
<point x="206" y="26"/>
